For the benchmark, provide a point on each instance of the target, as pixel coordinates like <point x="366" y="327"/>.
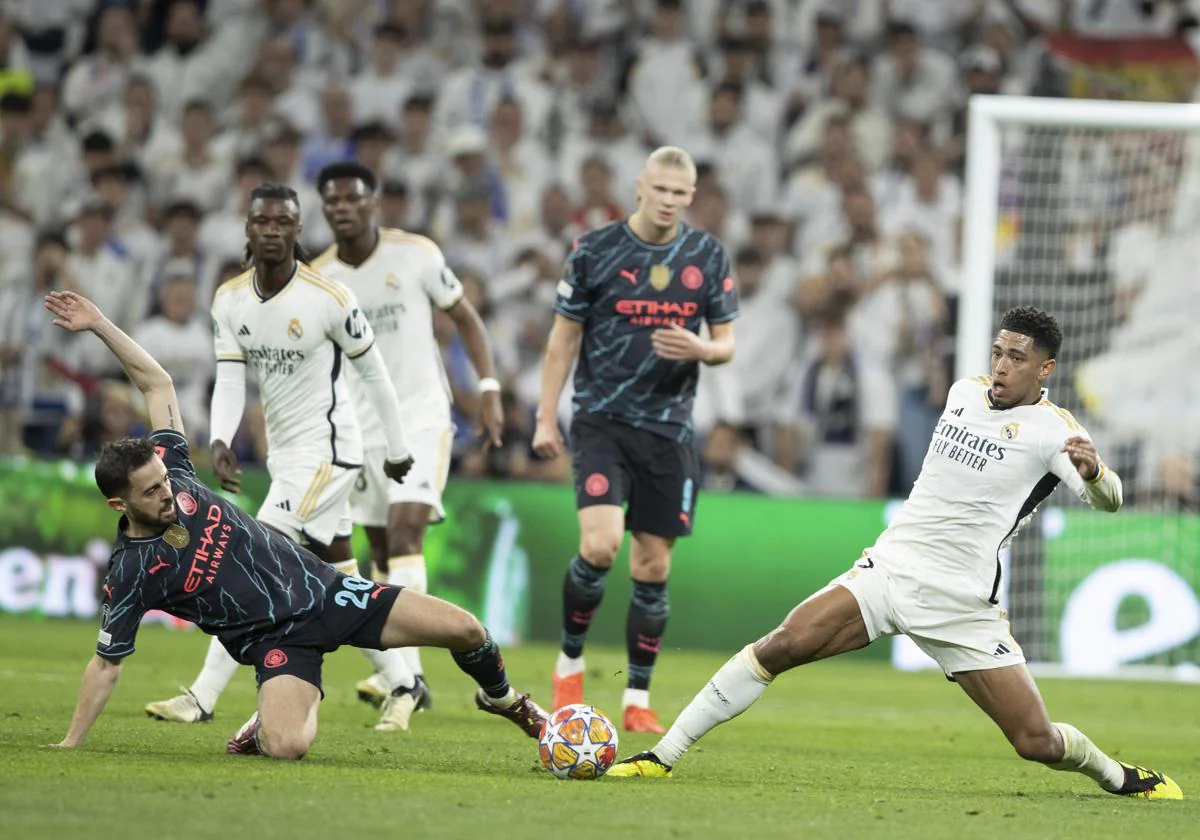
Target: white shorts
<point x="374" y="492"/>
<point x="309" y="498"/>
<point x="958" y="629"/>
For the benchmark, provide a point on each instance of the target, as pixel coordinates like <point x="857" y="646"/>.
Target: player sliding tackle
<point x="273" y="604"/>
<point x="998" y="451"/>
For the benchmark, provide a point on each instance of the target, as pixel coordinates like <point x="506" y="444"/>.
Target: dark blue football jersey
<point x="622" y="289"/>
<point x="221" y="569"/>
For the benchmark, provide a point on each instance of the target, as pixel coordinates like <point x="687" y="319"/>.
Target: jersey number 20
<point x="354" y="591"/>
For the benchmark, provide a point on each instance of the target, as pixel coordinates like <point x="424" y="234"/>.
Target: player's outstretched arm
<point x="1096" y="483"/>
<point x="75" y="313"/>
<point x="562" y="349"/>
<point x="479" y="350"/>
<point x="99" y="680"/>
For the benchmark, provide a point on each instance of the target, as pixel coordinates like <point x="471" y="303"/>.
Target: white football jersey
<point x="397" y="287"/>
<point x="299" y="342"/>
<point x="986" y="471"/>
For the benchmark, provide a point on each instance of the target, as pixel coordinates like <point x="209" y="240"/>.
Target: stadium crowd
<point x="829" y="136"/>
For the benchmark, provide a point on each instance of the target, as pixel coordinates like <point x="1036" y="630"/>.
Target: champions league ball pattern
<point x="579" y="742"/>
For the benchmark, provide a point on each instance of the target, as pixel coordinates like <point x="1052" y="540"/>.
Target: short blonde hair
<point x="673" y="156"/>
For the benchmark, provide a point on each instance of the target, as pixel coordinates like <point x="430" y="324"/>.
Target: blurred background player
<point x="295" y="326"/>
<point x="629" y="311"/>
<point x="398" y="278"/>
<point x="183" y="548"/>
<point x="999" y="450"/>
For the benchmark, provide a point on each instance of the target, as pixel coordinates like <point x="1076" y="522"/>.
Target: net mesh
<point x="1097" y="227"/>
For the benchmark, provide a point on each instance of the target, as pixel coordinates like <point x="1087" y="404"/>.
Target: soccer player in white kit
<point x="998" y="451"/>
<point x="301" y="331"/>
<point x="399" y="278"/>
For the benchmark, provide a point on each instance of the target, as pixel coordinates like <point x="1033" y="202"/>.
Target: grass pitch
<point x="836" y="750"/>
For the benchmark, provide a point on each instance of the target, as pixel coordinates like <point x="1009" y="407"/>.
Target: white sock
<point x="218" y="668"/>
<point x="568" y="666"/>
<point x="639" y="697"/>
<point x="391" y="668"/>
<point x="501" y="702"/>
<point x="1080" y="755"/>
<point x="409" y="571"/>
<point x="732" y="690"/>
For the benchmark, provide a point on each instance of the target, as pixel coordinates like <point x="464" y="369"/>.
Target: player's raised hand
<point x="225" y="466"/>
<point x="72" y="311"/>
<point x="1083" y="455"/>
<point x="678" y="344"/>
<point x="396" y="470"/>
<point x="547" y="441"/>
<point x="491" y="419"/>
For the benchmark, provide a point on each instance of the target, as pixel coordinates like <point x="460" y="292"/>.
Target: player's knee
<point x="285" y="746"/>
<point x="1037" y="745"/>
<point x="467" y="633"/>
<point x="600" y="549"/>
<point x="782" y="649"/>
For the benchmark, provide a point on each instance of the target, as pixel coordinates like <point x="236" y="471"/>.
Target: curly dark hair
<point x="283" y="193"/>
<point x="347" y="169"/>
<point x="1038" y="325"/>
<point x="117" y="460"/>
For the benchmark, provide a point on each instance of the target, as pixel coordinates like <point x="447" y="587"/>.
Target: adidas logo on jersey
<point x="245" y="331"/>
<point x="284" y="505"/>
<point x="1001" y="649"/>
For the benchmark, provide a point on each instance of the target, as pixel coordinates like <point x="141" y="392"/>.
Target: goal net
<point x="1091" y="211"/>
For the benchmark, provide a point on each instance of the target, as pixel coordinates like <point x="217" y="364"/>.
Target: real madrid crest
<point x="295" y="331"/>
<point x="1009" y="431"/>
<point x="176" y="535"/>
<point x="660" y="277"/>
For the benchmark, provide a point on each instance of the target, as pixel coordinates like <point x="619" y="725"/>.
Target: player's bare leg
<point x="400" y="700"/>
<point x="649" y="609"/>
<point x="285" y="724"/>
<point x="601" y="532"/>
<point x="826" y="624"/>
<point x="424" y="621"/>
<point x="1010" y="697"/>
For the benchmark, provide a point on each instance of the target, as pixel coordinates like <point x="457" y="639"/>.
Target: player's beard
<point x="158" y="521"/>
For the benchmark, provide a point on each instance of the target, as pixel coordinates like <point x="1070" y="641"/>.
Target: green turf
<point x="844" y="750"/>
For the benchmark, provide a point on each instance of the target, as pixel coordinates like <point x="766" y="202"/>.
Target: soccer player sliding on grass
<point x="273" y="604"/>
<point x="998" y="451"/>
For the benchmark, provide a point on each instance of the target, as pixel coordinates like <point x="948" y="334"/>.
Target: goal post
<point x="1091" y="211"/>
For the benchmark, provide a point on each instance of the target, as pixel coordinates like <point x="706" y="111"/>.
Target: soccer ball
<point x="579" y="742"/>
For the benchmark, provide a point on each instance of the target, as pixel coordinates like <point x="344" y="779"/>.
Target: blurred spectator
<point x="475" y="240"/>
<point x="97" y="80"/>
<point x="141" y="130"/>
<point x="293" y="97"/>
<point x="222" y="234"/>
<point x="380" y="89"/>
<point x="761" y="103"/>
<point x="710" y="211"/>
<point x="194" y="62"/>
<point x="902" y="325"/>
<point x="181" y="342"/>
<point x="119" y="187"/>
<point x="421" y="164"/>
<point x="195" y="173"/>
<point x="930" y="200"/>
<point x="371" y="144"/>
<point x="598" y="206"/>
<point x="665" y="81"/>
<point x="248" y="127"/>
<point x="331" y="142"/>
<point x="468" y="95"/>
<point x="768" y="338"/>
<point x="607" y="136"/>
<point x="838" y="416"/>
<point x="911" y="80"/>
<point x="729" y="462"/>
<point x="105" y="276"/>
<point x="870" y="125"/>
<point x="746" y="164"/>
<point x="394" y="206"/>
<point x="182" y="253"/>
<point x="520" y="162"/>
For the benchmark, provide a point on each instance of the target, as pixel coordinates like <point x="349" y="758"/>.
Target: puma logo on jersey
<point x="630" y="274"/>
<point x="162" y="564"/>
